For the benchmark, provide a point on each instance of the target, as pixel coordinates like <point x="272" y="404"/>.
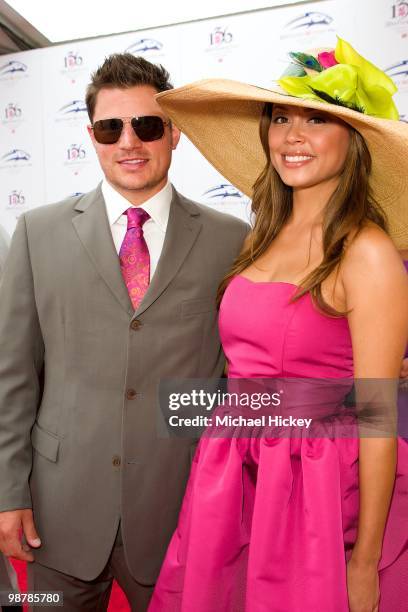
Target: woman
<point x="302" y="523"/>
<point x="403" y="397"/>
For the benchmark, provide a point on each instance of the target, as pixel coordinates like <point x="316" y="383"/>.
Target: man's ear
<point x="91" y="134"/>
<point x="175" y="136"/>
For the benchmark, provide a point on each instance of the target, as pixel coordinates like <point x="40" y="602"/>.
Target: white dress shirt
<point x="154" y="229"/>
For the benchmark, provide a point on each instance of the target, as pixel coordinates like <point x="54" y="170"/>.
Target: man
<point x="4" y="245"/>
<point x="105" y="295"/>
<point x="8" y="579"/>
<point x="8" y="585"/>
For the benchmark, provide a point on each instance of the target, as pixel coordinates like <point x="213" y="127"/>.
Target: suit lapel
<point x="92" y="227"/>
<point x="183" y="227"/>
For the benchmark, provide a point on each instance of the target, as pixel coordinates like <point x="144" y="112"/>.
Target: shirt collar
<point x="158" y="206"/>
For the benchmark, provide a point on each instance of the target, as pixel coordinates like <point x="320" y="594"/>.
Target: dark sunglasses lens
<point x="148" y="128"/>
<point x="107" y="131"/>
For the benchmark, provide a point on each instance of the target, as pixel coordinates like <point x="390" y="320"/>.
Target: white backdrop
<point x="45" y="151"/>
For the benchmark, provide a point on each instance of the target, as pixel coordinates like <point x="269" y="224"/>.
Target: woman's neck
<point x="309" y="202"/>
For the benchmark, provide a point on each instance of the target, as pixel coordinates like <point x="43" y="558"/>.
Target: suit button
<point x="135" y="324"/>
<point x="116" y="460"/>
<point x="130" y="394"/>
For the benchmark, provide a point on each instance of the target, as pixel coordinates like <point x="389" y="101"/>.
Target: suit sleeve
<point x="21" y="363"/>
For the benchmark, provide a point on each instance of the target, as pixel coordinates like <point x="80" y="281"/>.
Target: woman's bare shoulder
<point x="370" y="249"/>
<point x="372" y="266"/>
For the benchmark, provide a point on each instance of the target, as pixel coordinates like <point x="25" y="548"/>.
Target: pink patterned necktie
<point x="134" y="256"/>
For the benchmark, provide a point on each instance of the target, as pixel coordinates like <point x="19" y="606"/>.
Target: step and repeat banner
<point x="45" y="152"/>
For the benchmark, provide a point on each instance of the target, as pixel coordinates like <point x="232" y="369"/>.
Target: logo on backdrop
<point x="76" y="158"/>
<point x="221" y="42"/>
<point x="227" y="198"/>
<point x="13" y="70"/>
<point x="12" y="112"/>
<point x="220" y="36"/>
<point x="222" y="191"/>
<point x="72" y="111"/>
<point x="73" y="60"/>
<point x="306" y="24"/>
<point x="398" y="17"/>
<point x="16" y="158"/>
<point x="73" y="64"/>
<point x="399" y="74"/>
<point x="76" y="153"/>
<point x="399" y="12"/>
<point x="12" y="116"/>
<point x="145" y="46"/>
<point x="16" y="200"/>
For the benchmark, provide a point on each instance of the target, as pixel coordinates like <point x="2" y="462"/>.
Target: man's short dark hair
<point x="124" y="70"/>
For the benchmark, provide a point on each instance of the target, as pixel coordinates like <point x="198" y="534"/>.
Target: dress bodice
<point x="265" y="334"/>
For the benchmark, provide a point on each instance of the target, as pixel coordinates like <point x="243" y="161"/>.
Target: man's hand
<point x="404" y="368"/>
<point x="13" y="524"/>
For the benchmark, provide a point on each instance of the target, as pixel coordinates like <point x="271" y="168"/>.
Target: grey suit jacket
<point x="4" y="245"/>
<point x="7" y="575"/>
<point x="74" y="443"/>
<point x="8" y="578"/>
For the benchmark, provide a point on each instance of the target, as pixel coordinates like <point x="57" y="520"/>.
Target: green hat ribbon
<point x="352" y="81"/>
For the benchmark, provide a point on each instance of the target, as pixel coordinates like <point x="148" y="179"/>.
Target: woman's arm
<point x="376" y="291"/>
<point x="404" y="367"/>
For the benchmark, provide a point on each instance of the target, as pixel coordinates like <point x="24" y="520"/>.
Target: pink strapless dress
<point x="267" y="524"/>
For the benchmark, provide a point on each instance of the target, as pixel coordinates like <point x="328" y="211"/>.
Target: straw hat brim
<point x="221" y="117"/>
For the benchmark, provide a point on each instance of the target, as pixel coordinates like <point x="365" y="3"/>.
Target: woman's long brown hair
<point x="347" y="210"/>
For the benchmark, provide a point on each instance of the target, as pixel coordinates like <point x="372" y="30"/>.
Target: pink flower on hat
<point x="327" y="59"/>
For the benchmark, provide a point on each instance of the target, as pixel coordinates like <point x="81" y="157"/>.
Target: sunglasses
<point x="148" y="128"/>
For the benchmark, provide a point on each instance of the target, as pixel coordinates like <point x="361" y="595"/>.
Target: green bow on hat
<point x="342" y="77"/>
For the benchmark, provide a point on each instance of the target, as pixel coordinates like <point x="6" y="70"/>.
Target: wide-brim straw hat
<point x="221" y="117"/>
